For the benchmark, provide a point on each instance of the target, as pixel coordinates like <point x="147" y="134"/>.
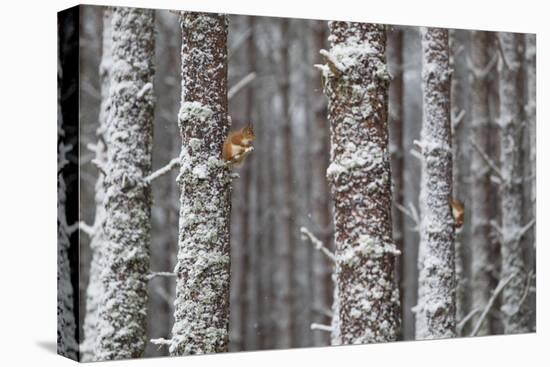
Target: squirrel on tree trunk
<point x="238" y="145"/>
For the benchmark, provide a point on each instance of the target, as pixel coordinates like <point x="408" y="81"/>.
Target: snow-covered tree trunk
<point x="513" y="305"/>
<point x="435" y="311"/>
<point x="123" y="308"/>
<point x="531" y="114"/>
<point x="395" y="101"/>
<point x="203" y="266"/>
<point x="480" y="246"/>
<point x="356" y="84"/>
<point x="94" y="291"/>
<point x="458" y="109"/>
<point x="321" y="216"/>
<point x="66" y="325"/>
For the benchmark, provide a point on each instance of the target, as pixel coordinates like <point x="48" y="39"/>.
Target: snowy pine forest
<point x="389" y="192"/>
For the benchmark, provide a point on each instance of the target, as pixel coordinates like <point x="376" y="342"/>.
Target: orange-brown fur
<point x="236" y="143"/>
<point x="457" y="209"/>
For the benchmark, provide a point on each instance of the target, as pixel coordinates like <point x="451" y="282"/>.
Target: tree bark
<point x="123" y="308"/>
<point x="458" y="122"/>
<point x="95" y="290"/>
<point x="395" y="63"/>
<point x="356" y="84"/>
<point x="203" y="267"/>
<point x="513" y="307"/>
<point x="435" y="311"/>
<point x="480" y="186"/>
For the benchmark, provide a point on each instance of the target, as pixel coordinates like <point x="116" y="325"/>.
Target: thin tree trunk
<point x="203" y="267"/>
<point x="435" y="311"/>
<point x="321" y="216"/>
<point x="395" y="63"/>
<point x="95" y="291"/>
<point x="251" y="247"/>
<point x="513" y="307"/>
<point x="284" y="272"/>
<point x="123" y="308"/>
<point x="458" y="126"/>
<point x="66" y="325"/>
<point x="480" y="186"/>
<point x="356" y="84"/>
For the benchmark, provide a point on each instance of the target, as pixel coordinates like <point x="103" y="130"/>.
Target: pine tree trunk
<point x="395" y="63"/>
<point x="284" y="270"/>
<point x="66" y="325"/>
<point x="123" y="308"/>
<point x="531" y="115"/>
<point x="435" y="311"/>
<point x="203" y="267"/>
<point x="480" y="186"/>
<point x="356" y="84"/>
<point x="321" y="216"/>
<point x="95" y="291"/>
<point x="458" y="127"/>
<point x="514" y="315"/>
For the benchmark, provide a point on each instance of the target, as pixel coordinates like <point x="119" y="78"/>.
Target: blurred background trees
<point x="280" y="284"/>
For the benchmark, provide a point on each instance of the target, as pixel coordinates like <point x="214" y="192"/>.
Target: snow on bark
<point x="480" y="245"/>
<point x="531" y="113"/>
<point x="122" y="310"/>
<point x="97" y="242"/>
<point x="203" y="262"/>
<point x="66" y="324"/>
<point x="460" y="154"/>
<point x="356" y="84"/>
<point x="435" y="311"/>
<point x="513" y="307"/>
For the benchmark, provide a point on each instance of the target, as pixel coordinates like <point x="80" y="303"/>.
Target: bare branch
<point x="494" y="296"/>
<point x="86" y="228"/>
<point x="161" y="342"/>
<point x="525" y="229"/>
<point x="465" y="320"/>
<point x="248" y="78"/>
<point x="318" y="244"/>
<point x="162" y="171"/>
<point x="322" y="327"/>
<point x="100" y="165"/>
<point x="487" y="160"/>
<point x="161" y="274"/>
<point x="456" y="119"/>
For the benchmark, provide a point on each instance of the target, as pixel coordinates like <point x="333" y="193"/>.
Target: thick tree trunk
<point x="203" y="267"/>
<point x="123" y="308"/>
<point x="435" y="311"/>
<point x="95" y="290"/>
<point x="480" y="246"/>
<point x="356" y="84"/>
<point x="395" y="63"/>
<point x="513" y="307"/>
<point x="321" y="216"/>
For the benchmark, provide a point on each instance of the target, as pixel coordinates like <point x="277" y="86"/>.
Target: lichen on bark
<point x="356" y="84"/>
<point x="203" y="263"/>
<point x="122" y="311"/>
<point x="435" y="310"/>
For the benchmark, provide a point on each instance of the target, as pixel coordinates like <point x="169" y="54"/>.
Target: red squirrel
<point x="457" y="209"/>
<point x="236" y="146"/>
